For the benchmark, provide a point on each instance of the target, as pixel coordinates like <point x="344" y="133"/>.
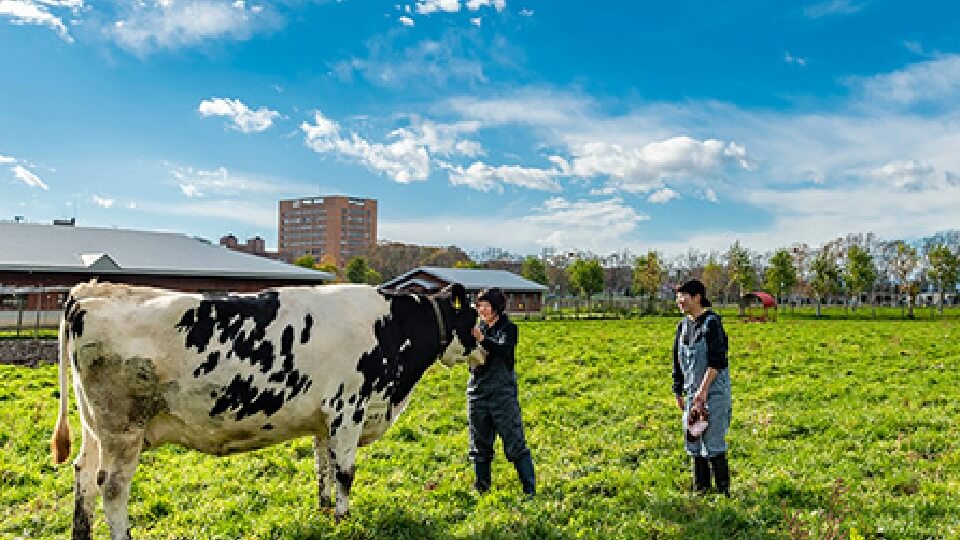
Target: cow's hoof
<point x="326" y="503"/>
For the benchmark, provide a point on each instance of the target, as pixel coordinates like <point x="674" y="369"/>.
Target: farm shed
<point x="523" y="295"/>
<point x="48" y="257"/>
<point x="758" y="306"/>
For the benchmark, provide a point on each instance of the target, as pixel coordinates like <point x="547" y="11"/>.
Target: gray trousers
<point x="492" y="415"/>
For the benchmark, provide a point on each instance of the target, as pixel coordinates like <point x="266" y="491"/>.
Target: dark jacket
<point x="500" y="342"/>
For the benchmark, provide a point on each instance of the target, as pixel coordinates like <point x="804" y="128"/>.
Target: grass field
<point x="841" y="429"/>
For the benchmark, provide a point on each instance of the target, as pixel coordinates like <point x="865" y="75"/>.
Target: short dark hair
<point x="695" y="287"/>
<point x="496" y="298"/>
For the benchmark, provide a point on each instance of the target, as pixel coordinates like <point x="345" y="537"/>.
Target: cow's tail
<point x="60" y="442"/>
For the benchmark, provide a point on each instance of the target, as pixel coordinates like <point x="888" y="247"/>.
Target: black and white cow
<point x="238" y="372"/>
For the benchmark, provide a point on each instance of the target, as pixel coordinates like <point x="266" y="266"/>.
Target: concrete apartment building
<point x="343" y="227"/>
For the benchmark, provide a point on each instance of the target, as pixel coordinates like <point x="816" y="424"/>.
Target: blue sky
<point x="515" y="124"/>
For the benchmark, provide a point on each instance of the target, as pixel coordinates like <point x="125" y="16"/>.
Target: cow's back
<point x="219" y="373"/>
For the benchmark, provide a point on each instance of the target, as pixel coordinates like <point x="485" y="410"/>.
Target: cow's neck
<point x="408" y="342"/>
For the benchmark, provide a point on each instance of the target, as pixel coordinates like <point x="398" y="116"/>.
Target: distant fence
<point x="608" y="307"/>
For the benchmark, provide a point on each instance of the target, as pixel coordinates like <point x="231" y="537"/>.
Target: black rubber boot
<point x="527" y="476"/>
<point x="482" y="470"/>
<point x="721" y="472"/>
<point x="701" y="474"/>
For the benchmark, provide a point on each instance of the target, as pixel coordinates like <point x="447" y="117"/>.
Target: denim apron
<point x="693" y="364"/>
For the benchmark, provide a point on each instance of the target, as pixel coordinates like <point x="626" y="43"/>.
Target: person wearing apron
<point x="701" y="382"/>
<point x="493" y="405"/>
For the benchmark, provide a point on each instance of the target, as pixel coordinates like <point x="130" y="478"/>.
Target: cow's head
<point x="459" y="317"/>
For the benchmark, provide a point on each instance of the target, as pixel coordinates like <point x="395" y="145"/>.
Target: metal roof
<point x="472" y="278"/>
<point x="31" y="247"/>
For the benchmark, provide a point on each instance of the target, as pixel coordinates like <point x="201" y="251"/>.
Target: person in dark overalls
<point x="701" y="382"/>
<point x="493" y="405"/>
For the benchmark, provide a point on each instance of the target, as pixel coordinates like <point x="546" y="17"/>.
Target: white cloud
<point x="406" y="21"/>
<point x="663" y="195"/>
<point x="407" y="158"/>
<point x="911" y="174"/>
<point x="832" y="7"/>
<point x="474" y="5"/>
<point x="102" y="202"/>
<point x="7" y="159"/>
<point x="601" y="226"/>
<point x="585" y="223"/>
<point x="428" y="63"/>
<point x="710" y="195"/>
<point x="476" y="21"/>
<point x="403" y="160"/>
<point x="526" y="12"/>
<point x="791" y="59"/>
<point x="484" y="177"/>
<point x="171" y="25"/>
<point x="244" y="119"/>
<point x="197" y="183"/>
<point x="31" y="12"/>
<point x="930" y="82"/>
<point x="426" y="7"/>
<point x="640" y="170"/>
<point x="28" y="178"/>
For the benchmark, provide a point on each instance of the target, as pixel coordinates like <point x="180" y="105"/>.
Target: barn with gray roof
<point x="40" y="255"/>
<point x="523" y="295"/>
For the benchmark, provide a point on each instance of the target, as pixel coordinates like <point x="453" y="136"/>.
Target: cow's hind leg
<point x="321" y="457"/>
<point x="119" y="456"/>
<point x="85" y="468"/>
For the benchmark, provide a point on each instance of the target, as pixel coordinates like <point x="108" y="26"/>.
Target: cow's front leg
<point x="343" y="453"/>
<point x="321" y="457"/>
<point x="85" y="468"/>
<point x="119" y="456"/>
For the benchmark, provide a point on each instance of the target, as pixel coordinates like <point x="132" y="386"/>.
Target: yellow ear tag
<point x="456" y="304"/>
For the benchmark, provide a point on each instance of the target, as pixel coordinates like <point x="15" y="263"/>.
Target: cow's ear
<point x="458" y="297"/>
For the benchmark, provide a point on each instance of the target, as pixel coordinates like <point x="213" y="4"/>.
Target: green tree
<point x="902" y="264"/>
<point x="781" y="276"/>
<point x="944" y="270"/>
<point x="534" y="270"/>
<point x="648" y="276"/>
<point x="860" y="273"/>
<point x="357" y="270"/>
<point x="469" y="263"/>
<point x="586" y="277"/>
<point x="305" y="261"/>
<point x="741" y="271"/>
<point x="825" y="277"/>
<point x="713" y="278"/>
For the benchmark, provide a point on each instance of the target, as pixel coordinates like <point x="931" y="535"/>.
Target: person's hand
<point x="699" y="401"/>
<point x="477" y="334"/>
<point x="679" y="401"/>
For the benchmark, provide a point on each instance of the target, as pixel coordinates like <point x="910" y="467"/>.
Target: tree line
<point x="852" y="269"/>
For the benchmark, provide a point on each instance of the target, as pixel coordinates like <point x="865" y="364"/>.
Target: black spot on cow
<point x="358" y="416"/>
<point x="241" y="322"/>
<point x="267" y="427"/>
<point x="225" y="317"/>
<point x="208" y="366"/>
<point x="335" y="425"/>
<point x="242" y="397"/>
<point x="307" y="325"/>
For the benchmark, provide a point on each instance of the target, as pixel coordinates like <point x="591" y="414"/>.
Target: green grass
<point x="839" y="427"/>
